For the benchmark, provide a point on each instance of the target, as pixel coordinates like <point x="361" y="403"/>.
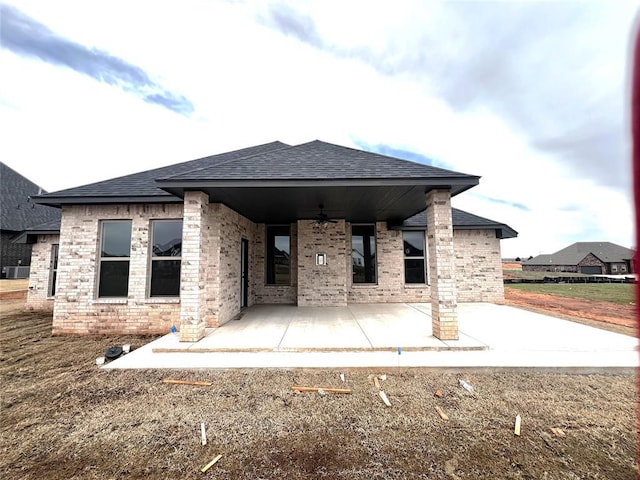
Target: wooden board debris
<point x="558" y="432"/>
<point x="443" y="415"/>
<point x="203" y="434"/>
<point x="325" y="389"/>
<point x="516" y="430"/>
<point x="188" y="382"/>
<point x="376" y="382"/>
<point x="384" y="398"/>
<point x="210" y="464"/>
<point x="439" y="393"/>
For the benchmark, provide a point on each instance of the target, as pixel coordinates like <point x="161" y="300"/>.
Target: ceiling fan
<point x="322" y="219"/>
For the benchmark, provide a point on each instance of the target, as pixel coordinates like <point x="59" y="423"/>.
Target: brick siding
<point x="277" y="294"/>
<point x="40" y="275"/>
<point x="77" y="309"/>
<point x="322" y="285"/>
<point x="478" y="266"/>
<point x="210" y="290"/>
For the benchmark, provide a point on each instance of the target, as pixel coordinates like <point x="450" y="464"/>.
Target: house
<point x="592" y="258"/>
<point x="18" y="213"/>
<point x="315" y="224"/>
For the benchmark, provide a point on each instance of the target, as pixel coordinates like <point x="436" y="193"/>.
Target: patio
<point x="391" y="335"/>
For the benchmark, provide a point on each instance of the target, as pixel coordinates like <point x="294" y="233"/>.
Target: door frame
<point x="244" y="273"/>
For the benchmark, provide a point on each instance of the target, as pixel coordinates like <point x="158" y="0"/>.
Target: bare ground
<point x="605" y="315"/>
<point x="62" y="417"/>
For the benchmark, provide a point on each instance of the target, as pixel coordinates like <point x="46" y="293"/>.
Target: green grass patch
<point x="621" y="293"/>
<point x="511" y="273"/>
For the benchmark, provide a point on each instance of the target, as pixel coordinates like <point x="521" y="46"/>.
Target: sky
<point x="531" y="96"/>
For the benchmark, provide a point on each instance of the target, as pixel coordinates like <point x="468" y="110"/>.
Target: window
<point x="53" y="270"/>
<point x="363" y="253"/>
<point x="414" y="265"/>
<point x="278" y="255"/>
<point x="115" y="248"/>
<point x="166" y="253"/>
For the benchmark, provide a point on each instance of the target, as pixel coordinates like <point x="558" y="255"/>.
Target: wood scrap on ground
<point x="203" y="434"/>
<point x="210" y="464"/>
<point x="558" y="432"/>
<point x="443" y="415"/>
<point x="438" y="393"/>
<point x="187" y="382"/>
<point x="516" y="430"/>
<point x="384" y="398"/>
<point x="324" y="389"/>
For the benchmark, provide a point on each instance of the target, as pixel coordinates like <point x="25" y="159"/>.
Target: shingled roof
<point x="18" y="211"/>
<point x="141" y="187"/>
<point x="607" y="252"/>
<point x="313" y="161"/>
<point x="461" y="220"/>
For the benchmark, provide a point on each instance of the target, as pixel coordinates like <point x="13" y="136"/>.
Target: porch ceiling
<point x="364" y="202"/>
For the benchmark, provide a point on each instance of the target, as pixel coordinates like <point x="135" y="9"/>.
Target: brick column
<point x="193" y="269"/>
<point x="442" y="265"/>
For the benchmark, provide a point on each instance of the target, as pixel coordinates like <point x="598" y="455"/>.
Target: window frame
<point x="423" y="257"/>
<point x="122" y="259"/>
<point x="166" y="258"/>
<point x="375" y="245"/>
<point x="53" y="270"/>
<point x="269" y="256"/>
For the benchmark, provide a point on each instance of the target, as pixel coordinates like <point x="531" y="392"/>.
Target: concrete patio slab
<point x="491" y="336"/>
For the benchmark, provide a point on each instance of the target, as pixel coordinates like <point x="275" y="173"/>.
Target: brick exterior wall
<point x="198" y="296"/>
<point x="478" y="266"/>
<point x="390" y="272"/>
<point x="77" y="309"/>
<point x="210" y="280"/>
<point x="266" y="294"/>
<point x="592" y="261"/>
<point x="444" y="315"/>
<point x="322" y="285"/>
<point x="233" y="228"/>
<point x="40" y="275"/>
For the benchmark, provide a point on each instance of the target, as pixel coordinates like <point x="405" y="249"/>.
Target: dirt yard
<point x="606" y="315"/>
<point x="62" y="417"/>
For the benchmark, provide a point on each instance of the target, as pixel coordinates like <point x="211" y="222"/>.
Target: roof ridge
<point x="390" y="157"/>
<point x="225" y="162"/>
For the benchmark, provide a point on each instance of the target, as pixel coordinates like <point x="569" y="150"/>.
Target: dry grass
<point x="64" y="418"/>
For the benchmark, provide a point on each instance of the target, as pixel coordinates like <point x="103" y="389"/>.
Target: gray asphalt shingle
<point x="572" y="255"/>
<point x="18" y="211"/>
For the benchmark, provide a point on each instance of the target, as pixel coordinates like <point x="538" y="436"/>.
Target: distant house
<point x="592" y="258"/>
<point x="194" y="243"/>
<point x="19" y="213"/>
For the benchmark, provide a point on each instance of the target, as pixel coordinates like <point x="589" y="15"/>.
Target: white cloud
<point x="252" y="84"/>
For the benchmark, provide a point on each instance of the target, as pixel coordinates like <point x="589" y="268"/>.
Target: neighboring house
<point x="592" y="258"/>
<point x="315" y="224"/>
<point x="18" y="214"/>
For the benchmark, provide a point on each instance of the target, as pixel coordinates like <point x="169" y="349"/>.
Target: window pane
<point x="114" y="279"/>
<point x="414" y="270"/>
<point x="116" y="238"/>
<point x="413" y="244"/>
<point x="363" y="253"/>
<point x="278" y="255"/>
<point x="167" y="238"/>
<point x="165" y="278"/>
